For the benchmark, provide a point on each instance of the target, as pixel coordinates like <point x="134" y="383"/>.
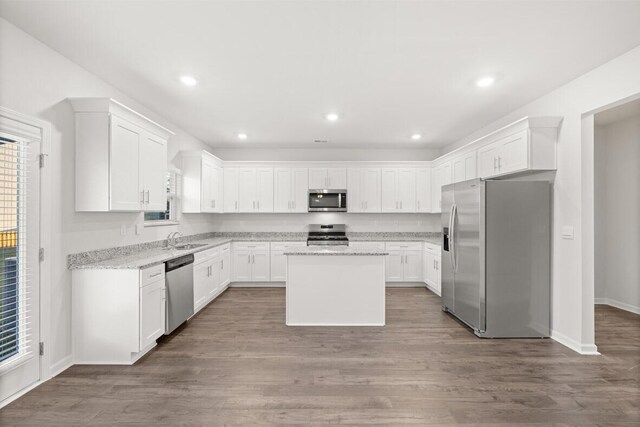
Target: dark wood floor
<point x="237" y="363"/>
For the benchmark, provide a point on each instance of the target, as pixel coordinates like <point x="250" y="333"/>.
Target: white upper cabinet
<point x="363" y="190"/>
<point x="202" y="179"/>
<point x="121" y="158"/>
<point x="398" y="190"/>
<point x="464" y="167"/>
<point x="441" y="175"/>
<point x="248" y="190"/>
<point x="290" y="189"/>
<point x="423" y="190"/>
<point x="328" y="178"/>
<point x="526" y="145"/>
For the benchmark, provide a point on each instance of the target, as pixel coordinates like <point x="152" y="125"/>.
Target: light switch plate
<point x="567" y="232"/>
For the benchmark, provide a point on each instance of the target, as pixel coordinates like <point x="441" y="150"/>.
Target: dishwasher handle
<point x="178" y="262"/>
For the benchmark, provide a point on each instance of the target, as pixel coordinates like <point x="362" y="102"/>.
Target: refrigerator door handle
<point x="452" y="236"/>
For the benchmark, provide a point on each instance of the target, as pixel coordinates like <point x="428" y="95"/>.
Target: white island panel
<point x="335" y="290"/>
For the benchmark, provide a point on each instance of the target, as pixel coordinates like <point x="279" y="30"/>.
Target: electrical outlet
<point x="123" y="230"/>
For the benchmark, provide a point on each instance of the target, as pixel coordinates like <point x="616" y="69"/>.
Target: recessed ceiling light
<point x="485" y="81"/>
<point x="332" y="117"/>
<point x="242" y="136"/>
<point x="416" y="136"/>
<point x="188" y="80"/>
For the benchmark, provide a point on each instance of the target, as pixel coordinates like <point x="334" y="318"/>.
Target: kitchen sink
<point x="190" y="246"/>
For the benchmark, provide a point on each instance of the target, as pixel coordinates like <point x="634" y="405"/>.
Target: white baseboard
<point x="432" y="289"/>
<point x="257" y="285"/>
<point x="404" y="284"/>
<point x="585" y="349"/>
<point x="61" y="365"/>
<point x="617" y="304"/>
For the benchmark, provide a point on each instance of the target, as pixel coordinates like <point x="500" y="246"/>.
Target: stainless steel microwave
<point x="327" y="200"/>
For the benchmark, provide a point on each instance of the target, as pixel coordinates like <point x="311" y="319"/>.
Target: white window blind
<point x="15" y="307"/>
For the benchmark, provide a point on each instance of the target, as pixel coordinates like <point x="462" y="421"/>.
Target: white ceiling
<point x="273" y="69"/>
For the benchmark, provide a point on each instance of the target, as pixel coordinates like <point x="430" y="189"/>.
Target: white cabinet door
<point x="230" y="193"/>
<point x="337" y="178"/>
<point x="264" y="190"/>
<point x="438" y="275"/>
<point x="423" y="190"/>
<point x="488" y="161"/>
<point x="216" y="189"/>
<point x="300" y="189"/>
<point x="318" y="179"/>
<point x="247" y="190"/>
<point x="282" y="178"/>
<point x="514" y="153"/>
<point x="241" y="266"/>
<point x="260" y="266"/>
<point x="225" y="267"/>
<point x="393" y="267"/>
<point x="152" y="313"/>
<point x="430" y="269"/>
<point x="355" y="202"/>
<point x="388" y="200"/>
<point x="153" y="172"/>
<point x="200" y="284"/>
<point x="436" y="190"/>
<point x="413" y="266"/>
<point x="406" y="189"/>
<point x="214" y="277"/>
<point x="206" y="201"/>
<point x="446" y="177"/>
<point x="126" y="192"/>
<point x="464" y="167"/>
<point x="370" y="188"/>
<point x="278" y="266"/>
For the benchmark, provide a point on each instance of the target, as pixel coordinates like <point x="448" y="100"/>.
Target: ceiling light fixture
<point x="188" y="80"/>
<point x="416" y="136"/>
<point x="485" y="81"/>
<point x="242" y="136"/>
<point x="332" y="117"/>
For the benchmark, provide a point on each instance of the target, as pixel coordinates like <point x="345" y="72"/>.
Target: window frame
<point x="173" y="202"/>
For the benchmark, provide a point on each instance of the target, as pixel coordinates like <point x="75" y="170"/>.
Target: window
<point x="170" y="215"/>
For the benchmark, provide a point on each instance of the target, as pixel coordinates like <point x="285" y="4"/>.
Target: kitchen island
<point x="335" y="286"/>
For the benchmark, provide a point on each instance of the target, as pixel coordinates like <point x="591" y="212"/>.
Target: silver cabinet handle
<point x="253" y="259"/>
<point x="156" y="275"/>
<point x="254" y="204"/>
<point x="236" y="205"/>
<point x="418" y="204"/>
<point x="400" y="205"/>
<point x="221" y="264"/>
<point x="142" y="196"/>
<point x="258" y="203"/>
<point x="248" y="259"/>
<point x="147" y="196"/>
<point x="499" y="163"/>
<point x="294" y="204"/>
<point x="495" y="165"/>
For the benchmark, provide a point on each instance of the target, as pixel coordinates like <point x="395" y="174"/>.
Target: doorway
<point x="617" y="219"/>
<point x="20" y="243"/>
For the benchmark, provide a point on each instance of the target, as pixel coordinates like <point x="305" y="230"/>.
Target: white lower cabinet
<point x="404" y="262"/>
<point x="211" y="274"/>
<point x="279" y="259"/>
<point x="251" y="262"/>
<point x="117" y="314"/>
<point x="432" y="263"/>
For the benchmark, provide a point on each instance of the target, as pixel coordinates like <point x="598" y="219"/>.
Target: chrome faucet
<point x="172" y="239"/>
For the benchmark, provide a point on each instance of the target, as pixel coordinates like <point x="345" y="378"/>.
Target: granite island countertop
<point x="335" y="250"/>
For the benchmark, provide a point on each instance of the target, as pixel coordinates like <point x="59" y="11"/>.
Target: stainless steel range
<point x="327" y="234"/>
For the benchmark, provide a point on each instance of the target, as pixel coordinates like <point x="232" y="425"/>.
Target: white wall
<point x="618" y="214"/>
<point x="572" y="312"/>
<point x="326" y="153"/>
<point x="355" y="222"/>
<point x="36" y="81"/>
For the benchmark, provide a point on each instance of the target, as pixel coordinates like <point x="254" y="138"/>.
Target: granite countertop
<point x="335" y="250"/>
<point x="149" y="254"/>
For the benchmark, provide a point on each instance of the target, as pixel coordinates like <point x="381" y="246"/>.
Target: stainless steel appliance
<point x="496" y="256"/>
<point x="327" y="200"/>
<point x="327" y="234"/>
<point x="179" y="283"/>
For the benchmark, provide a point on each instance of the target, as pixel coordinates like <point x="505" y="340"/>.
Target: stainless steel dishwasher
<point x="179" y="282"/>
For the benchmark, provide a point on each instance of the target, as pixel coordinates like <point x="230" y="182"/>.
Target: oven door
<point x="327" y="201"/>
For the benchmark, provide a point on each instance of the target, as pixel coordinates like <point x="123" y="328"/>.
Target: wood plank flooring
<point x="237" y="363"/>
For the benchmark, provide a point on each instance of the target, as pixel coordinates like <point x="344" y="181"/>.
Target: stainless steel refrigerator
<point x="496" y="256"/>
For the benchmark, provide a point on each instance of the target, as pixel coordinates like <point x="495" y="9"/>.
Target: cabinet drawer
<point x="282" y="246"/>
<point x="251" y="246"/>
<point x="151" y="274"/>
<point x="203" y="256"/>
<point x="404" y="246"/>
<point x="432" y="248"/>
<point x="375" y="245"/>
